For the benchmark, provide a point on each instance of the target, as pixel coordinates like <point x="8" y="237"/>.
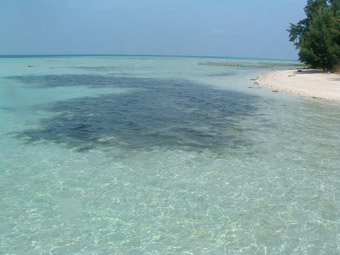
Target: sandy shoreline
<point x="309" y="83"/>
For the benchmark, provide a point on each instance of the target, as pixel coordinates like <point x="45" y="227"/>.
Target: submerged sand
<point x="310" y="83"/>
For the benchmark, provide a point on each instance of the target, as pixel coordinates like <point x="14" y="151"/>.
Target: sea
<point x="163" y="155"/>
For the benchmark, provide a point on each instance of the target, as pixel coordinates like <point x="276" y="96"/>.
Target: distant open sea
<point x="163" y="155"/>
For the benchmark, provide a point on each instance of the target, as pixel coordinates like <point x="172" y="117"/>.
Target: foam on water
<point x="147" y="155"/>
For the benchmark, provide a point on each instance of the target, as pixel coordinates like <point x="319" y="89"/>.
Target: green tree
<point x="318" y="35"/>
<point x="318" y="46"/>
<point x="336" y="5"/>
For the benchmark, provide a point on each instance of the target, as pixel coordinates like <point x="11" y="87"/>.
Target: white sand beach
<point x="308" y="82"/>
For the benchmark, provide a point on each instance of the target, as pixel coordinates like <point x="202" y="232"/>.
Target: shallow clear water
<point x="157" y="155"/>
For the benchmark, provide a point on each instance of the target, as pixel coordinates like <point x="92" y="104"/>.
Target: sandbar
<point x="305" y="82"/>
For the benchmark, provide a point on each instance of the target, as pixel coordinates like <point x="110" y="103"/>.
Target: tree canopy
<point x="318" y="35"/>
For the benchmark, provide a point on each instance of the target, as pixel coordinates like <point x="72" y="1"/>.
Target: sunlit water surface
<point x="158" y="155"/>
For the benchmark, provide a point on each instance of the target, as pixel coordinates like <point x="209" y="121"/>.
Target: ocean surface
<point x="163" y="155"/>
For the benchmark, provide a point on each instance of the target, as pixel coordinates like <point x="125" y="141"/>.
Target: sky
<point x="226" y="28"/>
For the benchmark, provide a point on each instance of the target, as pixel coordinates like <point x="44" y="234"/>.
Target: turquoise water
<point x="161" y="155"/>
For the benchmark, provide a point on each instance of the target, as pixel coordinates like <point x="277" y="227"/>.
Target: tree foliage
<point x="318" y="35"/>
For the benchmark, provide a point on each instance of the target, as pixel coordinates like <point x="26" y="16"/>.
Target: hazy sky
<point x="236" y="28"/>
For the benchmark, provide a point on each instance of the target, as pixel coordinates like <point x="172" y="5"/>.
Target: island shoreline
<point x="303" y="82"/>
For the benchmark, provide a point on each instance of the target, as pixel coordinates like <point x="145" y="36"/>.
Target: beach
<point x="309" y="83"/>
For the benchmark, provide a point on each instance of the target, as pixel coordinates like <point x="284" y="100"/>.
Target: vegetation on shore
<point x="318" y="35"/>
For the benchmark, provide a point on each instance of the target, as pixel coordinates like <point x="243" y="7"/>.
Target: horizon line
<point x="134" y="55"/>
